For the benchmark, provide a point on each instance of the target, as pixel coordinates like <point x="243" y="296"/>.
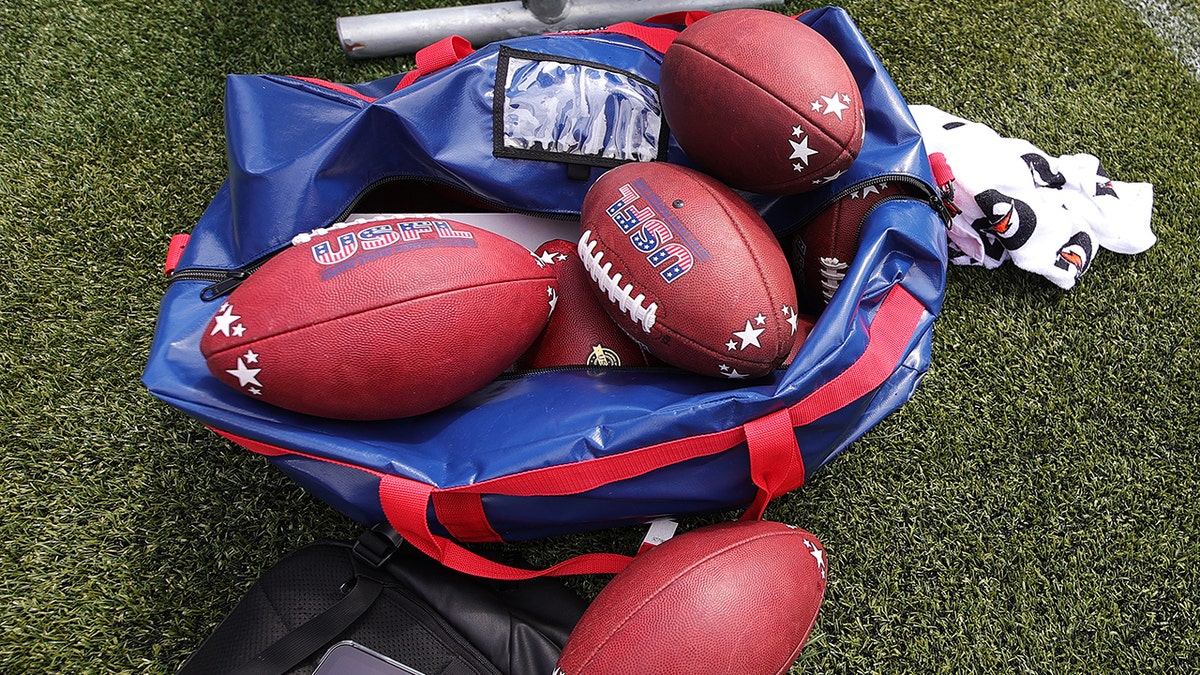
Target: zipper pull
<point x="943" y="175"/>
<point x="224" y="286"/>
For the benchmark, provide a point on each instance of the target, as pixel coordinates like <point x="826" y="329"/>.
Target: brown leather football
<point x="762" y="101"/>
<point x="689" y="269"/>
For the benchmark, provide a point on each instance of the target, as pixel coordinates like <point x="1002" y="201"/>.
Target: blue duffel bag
<point x="548" y="452"/>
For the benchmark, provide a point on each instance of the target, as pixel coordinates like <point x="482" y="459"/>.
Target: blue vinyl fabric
<point x="302" y="155"/>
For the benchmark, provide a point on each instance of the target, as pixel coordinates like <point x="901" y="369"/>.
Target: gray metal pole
<point x="375" y="35"/>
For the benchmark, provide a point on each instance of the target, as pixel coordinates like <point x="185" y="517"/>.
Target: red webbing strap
<point x="465" y="511"/>
<point x="776" y="466"/>
<point x="460" y="509"/>
<point x="569" y="479"/>
<point x="404" y="505"/>
<point x="775" y="461"/>
<point x="441" y="54"/>
<point x="655" y="37"/>
<point x="891" y="331"/>
<point x="404" y="501"/>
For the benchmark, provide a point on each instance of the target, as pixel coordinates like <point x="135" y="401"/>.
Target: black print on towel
<point x="1042" y="175"/>
<point x="1005" y="218"/>
<point x="1076" y="254"/>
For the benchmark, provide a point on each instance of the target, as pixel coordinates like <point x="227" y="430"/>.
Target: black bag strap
<point x="297" y="646"/>
<point x="372" y="550"/>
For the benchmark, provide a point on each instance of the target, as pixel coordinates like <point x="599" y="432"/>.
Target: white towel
<point x="1011" y="201"/>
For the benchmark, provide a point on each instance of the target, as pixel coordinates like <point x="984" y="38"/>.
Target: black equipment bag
<point x="394" y="601"/>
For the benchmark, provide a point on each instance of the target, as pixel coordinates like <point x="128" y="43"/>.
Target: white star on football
<point x="250" y="356"/>
<point x="550" y="257"/>
<point x="749" y="336"/>
<point x="553" y="298"/>
<point x="834" y="105"/>
<point x="224" y="321"/>
<point x="731" y="345"/>
<point x="801" y="150"/>
<point x="245" y="375"/>
<point x="797" y="131"/>
<point x="238" y="330"/>
<point x="792" y="317"/>
<point x="817" y="555"/>
<point x="760" y="319"/>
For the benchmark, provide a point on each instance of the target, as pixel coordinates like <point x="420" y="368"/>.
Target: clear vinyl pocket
<point x="557" y="108"/>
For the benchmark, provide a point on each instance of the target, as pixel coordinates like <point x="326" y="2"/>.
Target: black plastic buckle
<point x="377" y="545"/>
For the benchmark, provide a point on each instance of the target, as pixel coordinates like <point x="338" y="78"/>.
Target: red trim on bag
<point x="890" y="332"/>
<point x="340" y="88"/>
<point x="175" y="250"/>
<point x="685" y="17"/>
<point x="268" y="450"/>
<point x="776" y="465"/>
<point x="775" y="462"/>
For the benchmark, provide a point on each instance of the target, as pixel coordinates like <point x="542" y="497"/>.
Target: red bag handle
<point x="454" y="48"/>
<point x="441" y="54"/>
<point x="776" y="466"/>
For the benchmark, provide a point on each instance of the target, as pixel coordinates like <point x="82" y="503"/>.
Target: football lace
<point x="832" y="273"/>
<point x="611" y="284"/>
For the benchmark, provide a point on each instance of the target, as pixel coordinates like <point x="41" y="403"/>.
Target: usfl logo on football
<point x="355" y="247"/>
<point x="652" y="230"/>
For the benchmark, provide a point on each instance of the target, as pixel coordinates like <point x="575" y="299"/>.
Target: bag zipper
<point x="932" y="197"/>
<point x="223" y="281"/>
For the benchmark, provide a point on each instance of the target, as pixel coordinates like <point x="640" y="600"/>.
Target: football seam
<point x="759" y="264"/>
<point x="768" y="291"/>
<point x="831" y="280"/>
<point x="633" y="612"/>
<point x="815" y="124"/>
<point x="722" y="356"/>
<point x="240" y="345"/>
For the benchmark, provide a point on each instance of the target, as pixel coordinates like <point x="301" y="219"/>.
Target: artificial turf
<point x="1031" y="509"/>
